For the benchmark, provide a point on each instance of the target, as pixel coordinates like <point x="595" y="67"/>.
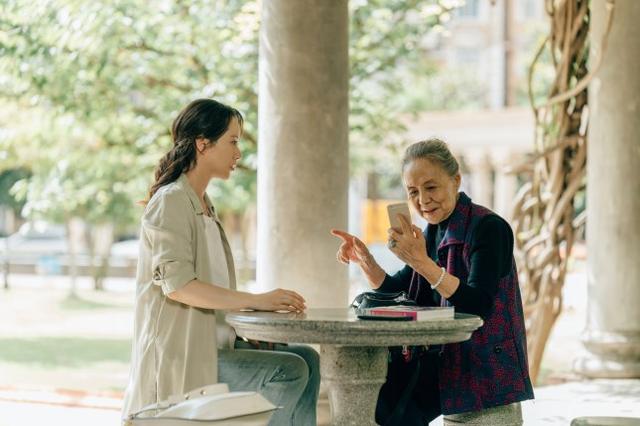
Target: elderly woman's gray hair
<point x="433" y="150"/>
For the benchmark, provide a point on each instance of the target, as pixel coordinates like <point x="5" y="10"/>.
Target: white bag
<point x="208" y="405"/>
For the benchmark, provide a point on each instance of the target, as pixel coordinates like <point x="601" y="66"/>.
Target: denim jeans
<point x="288" y="376"/>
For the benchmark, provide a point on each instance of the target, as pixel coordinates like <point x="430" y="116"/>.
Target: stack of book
<point x="407" y="313"/>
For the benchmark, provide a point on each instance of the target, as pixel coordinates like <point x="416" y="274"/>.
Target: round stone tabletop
<point x="340" y="326"/>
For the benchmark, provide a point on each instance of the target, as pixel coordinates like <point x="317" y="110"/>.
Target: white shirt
<point x="219" y="276"/>
<point x="217" y="259"/>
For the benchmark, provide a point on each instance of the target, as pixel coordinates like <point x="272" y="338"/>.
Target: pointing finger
<point x="343" y="235"/>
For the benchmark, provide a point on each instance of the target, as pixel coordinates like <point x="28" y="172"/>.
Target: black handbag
<point x="374" y="299"/>
<point x="386" y="414"/>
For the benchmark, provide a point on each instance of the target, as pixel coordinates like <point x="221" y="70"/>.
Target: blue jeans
<point x="288" y="376"/>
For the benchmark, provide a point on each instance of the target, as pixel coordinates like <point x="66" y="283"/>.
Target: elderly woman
<point x="463" y="258"/>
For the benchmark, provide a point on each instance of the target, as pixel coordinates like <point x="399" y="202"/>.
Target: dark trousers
<point x="422" y="404"/>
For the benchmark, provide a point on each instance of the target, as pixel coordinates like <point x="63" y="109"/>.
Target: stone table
<point x="353" y="352"/>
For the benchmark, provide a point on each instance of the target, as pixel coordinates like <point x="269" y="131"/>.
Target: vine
<point x="544" y="217"/>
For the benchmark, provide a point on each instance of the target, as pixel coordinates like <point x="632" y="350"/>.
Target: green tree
<point x="106" y="79"/>
<point x="8" y="178"/>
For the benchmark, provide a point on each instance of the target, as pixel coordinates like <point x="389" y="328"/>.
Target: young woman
<point x="185" y="277"/>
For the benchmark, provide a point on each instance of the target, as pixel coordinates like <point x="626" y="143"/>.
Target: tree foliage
<point x="90" y="90"/>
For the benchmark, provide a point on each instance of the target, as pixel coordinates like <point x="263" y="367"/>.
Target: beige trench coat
<point x="174" y="345"/>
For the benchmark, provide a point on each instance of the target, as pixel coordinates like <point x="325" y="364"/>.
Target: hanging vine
<point x="544" y="217"/>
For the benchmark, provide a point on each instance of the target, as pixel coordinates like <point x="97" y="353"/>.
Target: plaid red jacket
<point x="491" y="368"/>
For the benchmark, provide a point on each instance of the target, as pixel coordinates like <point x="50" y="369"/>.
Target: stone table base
<point x="354" y="376"/>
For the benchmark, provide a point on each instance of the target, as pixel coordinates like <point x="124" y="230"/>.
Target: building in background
<point x="494" y="43"/>
<point x="495" y="39"/>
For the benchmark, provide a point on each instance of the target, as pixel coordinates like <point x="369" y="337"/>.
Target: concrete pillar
<point x="303" y="155"/>
<point x="612" y="334"/>
<point x="496" y="55"/>
<point x="505" y="183"/>
<point x="480" y="170"/>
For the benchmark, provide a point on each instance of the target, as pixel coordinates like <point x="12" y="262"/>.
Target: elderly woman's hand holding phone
<point x="406" y="240"/>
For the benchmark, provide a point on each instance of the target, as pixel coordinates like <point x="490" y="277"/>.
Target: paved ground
<point x="554" y="405"/>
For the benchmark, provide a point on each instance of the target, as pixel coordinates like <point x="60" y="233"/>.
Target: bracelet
<point x="434" y="286"/>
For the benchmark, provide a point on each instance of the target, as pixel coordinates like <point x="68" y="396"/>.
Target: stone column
<point x="354" y="376"/>
<point x="613" y="198"/>
<point x="303" y="154"/>
<point x="506" y="184"/>
<point x="496" y="54"/>
<point x="480" y="169"/>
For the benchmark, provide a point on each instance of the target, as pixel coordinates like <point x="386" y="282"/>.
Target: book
<point x="407" y="313"/>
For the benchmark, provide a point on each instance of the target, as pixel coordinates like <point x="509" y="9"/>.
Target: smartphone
<point x="394" y="210"/>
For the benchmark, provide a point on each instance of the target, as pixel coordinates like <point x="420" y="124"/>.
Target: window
<point x="469" y="9"/>
<point x="530" y="9"/>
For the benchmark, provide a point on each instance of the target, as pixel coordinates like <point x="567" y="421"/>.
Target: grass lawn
<point x="51" y="340"/>
<point x="63" y="352"/>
